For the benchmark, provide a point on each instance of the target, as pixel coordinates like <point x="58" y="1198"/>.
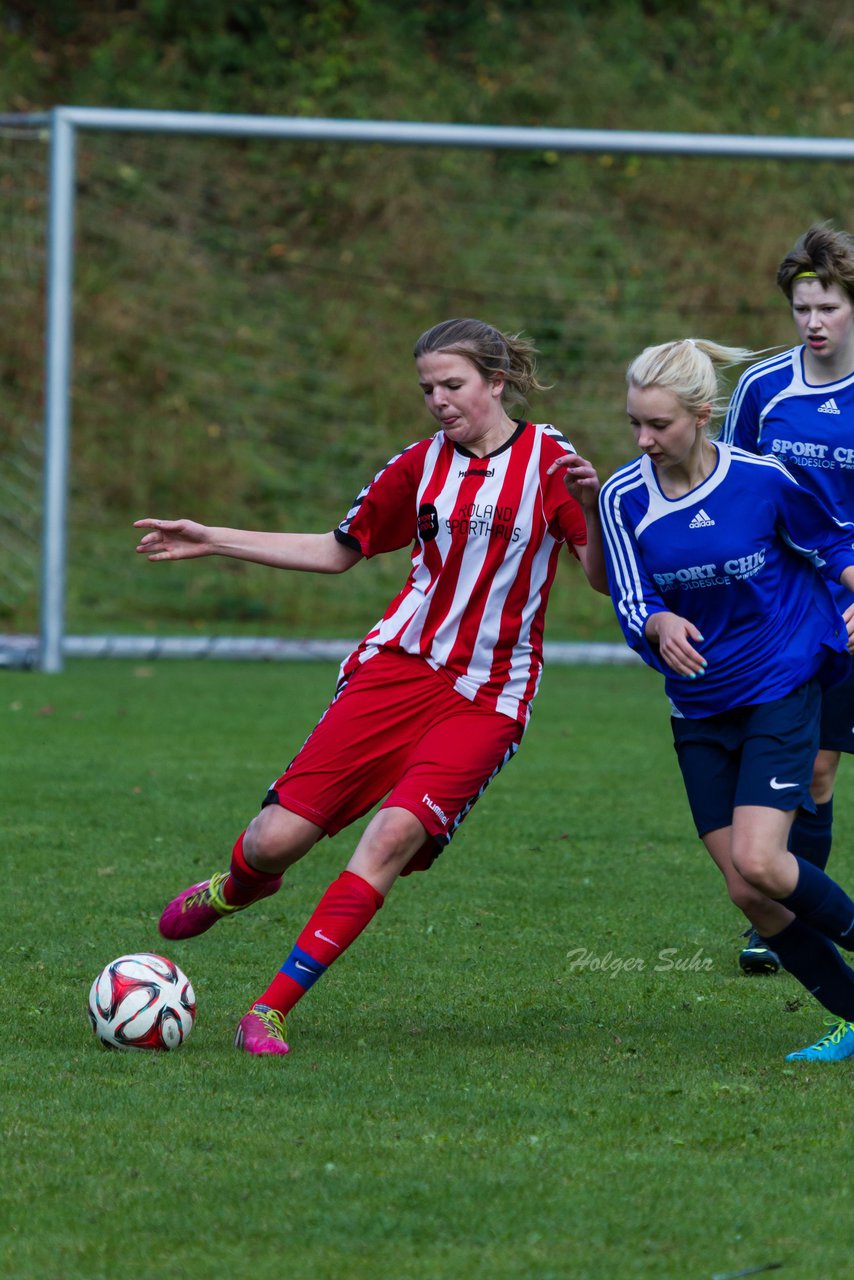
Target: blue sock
<point x="819" y="901"/>
<point x="811" y="958"/>
<point x="812" y="834"/>
<point x="303" y="968"/>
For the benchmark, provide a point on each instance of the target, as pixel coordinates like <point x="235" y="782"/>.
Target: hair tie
<point x="805" y="275"/>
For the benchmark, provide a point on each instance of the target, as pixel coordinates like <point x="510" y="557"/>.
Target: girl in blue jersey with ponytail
<point x="719" y="565"/>
<point x="799" y="406"/>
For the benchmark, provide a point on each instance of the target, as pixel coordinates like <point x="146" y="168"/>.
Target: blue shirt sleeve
<point x="633" y="591"/>
<point x="741" y="424"/>
<point x="809" y="528"/>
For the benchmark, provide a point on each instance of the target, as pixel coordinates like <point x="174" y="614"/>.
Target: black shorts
<point x="837" y="715"/>
<point x="758" y="755"/>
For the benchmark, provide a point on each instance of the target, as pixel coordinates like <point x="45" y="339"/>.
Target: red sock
<point x="347" y="907"/>
<point x="244" y="883"/>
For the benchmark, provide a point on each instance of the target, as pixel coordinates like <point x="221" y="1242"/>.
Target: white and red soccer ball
<point x="142" y="1001"/>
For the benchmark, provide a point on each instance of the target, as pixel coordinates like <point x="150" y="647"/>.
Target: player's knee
<point x="757" y="865"/>
<point x="276" y="838"/>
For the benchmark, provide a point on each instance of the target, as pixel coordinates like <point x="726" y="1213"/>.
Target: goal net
<point x="23" y="199"/>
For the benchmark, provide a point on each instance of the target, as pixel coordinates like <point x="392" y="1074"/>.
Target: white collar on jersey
<point x="659" y="505"/>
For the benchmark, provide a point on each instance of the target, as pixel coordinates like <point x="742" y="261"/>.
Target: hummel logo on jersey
<point x="701" y="521"/>
<point x="829" y="406"/>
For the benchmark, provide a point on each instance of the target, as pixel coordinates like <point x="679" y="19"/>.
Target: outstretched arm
<point x="186" y="539"/>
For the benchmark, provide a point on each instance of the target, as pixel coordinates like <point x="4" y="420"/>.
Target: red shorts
<point x="397" y="730"/>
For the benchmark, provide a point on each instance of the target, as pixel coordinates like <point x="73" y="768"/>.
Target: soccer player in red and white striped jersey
<point x="490" y="532"/>
<point x="436" y="698"/>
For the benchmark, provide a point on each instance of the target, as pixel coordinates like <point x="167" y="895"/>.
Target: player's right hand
<point x="173" y="539"/>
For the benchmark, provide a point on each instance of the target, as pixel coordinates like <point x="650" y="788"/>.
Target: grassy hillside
<point x="245" y="312"/>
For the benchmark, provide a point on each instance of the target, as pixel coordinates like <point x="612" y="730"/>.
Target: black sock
<point x="812" y="834"/>
<point x="820" y="902"/>
<point x="811" y="958"/>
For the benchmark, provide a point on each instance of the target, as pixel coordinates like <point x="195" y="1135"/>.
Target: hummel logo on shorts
<point x="829" y="406"/>
<point x="701" y="520"/>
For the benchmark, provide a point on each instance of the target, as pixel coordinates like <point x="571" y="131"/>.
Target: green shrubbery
<point x="728" y="65"/>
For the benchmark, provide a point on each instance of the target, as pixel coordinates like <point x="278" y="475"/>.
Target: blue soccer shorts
<point x="757" y="755"/>
<point x="837" y="716"/>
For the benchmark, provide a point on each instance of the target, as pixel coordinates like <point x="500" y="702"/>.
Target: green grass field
<point x="503" y="1078"/>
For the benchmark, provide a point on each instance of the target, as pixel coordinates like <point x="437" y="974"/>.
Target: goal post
<point x="58" y="349"/>
<point x="66" y="121"/>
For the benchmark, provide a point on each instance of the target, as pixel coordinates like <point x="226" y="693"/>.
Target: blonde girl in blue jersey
<point x="799" y="406"/>
<point x="718" y="564"/>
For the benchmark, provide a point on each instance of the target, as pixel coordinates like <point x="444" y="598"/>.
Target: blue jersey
<point x="744" y="556"/>
<point x="809" y="427"/>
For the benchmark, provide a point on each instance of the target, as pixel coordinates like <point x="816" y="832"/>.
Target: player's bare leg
<point x="804" y="949"/>
<point x="810" y="837"/>
<point x="272" y="842"/>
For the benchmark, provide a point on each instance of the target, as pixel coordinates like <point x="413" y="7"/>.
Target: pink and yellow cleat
<point x="261" y="1030"/>
<point x="198" y="908"/>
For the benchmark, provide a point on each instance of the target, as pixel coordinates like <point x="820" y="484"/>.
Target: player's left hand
<point x="579" y="476"/>
<point x="848" y="619"/>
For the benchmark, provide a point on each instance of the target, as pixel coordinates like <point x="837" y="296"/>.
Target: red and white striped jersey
<point x="487" y="534"/>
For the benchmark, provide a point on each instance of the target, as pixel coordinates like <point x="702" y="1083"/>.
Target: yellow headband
<point x="805" y="275"/>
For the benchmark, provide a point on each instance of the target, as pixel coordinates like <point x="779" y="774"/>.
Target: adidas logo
<point x="701" y="521"/>
<point x="829" y="406"/>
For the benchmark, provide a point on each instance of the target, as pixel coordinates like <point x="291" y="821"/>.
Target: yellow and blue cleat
<point x="833" y="1047"/>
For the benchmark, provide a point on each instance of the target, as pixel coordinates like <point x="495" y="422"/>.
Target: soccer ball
<point x="142" y="1001"/>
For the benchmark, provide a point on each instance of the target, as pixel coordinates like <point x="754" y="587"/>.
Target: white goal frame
<point x="64" y="122"/>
